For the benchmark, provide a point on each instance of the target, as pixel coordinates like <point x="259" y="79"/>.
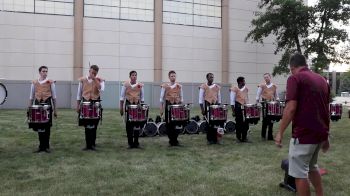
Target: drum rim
<point x="177" y="106"/>
<point x="3" y="87"/>
<point x="250" y="104"/>
<point x="217" y="106"/>
<point x="40" y="106"/>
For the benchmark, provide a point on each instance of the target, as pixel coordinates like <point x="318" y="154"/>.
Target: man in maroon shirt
<point x="307" y="106"/>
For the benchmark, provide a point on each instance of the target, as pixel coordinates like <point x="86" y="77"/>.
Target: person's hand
<point x="278" y="139"/>
<point x="55" y="114"/>
<point x="325" y="146"/>
<point x="161" y="114"/>
<point x="121" y="112"/>
<point x="233" y="114"/>
<point x="203" y="112"/>
<point x="78" y="109"/>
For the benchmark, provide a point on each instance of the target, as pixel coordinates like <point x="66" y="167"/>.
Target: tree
<point x="313" y="31"/>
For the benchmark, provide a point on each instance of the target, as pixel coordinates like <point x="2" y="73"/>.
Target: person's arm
<point x="232" y="101"/>
<point x="201" y="100"/>
<point x="288" y="115"/>
<point x="54" y="97"/>
<point x="258" y="94"/>
<point x="276" y="95"/>
<point x="289" y="110"/>
<point x="102" y="85"/>
<point x="181" y="95"/>
<point x="121" y="100"/>
<point x="79" y="93"/>
<point x="219" y="97"/>
<point x="247" y="98"/>
<point x="161" y="100"/>
<point x="142" y="95"/>
<point x="31" y="95"/>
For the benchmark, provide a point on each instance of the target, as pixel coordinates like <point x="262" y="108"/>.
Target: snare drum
<point x="335" y="111"/>
<point x="39" y="114"/>
<point x="179" y="113"/>
<point x="251" y="113"/>
<point x="217" y="113"/>
<point x="137" y="113"/>
<point x="90" y="110"/>
<point x="274" y="110"/>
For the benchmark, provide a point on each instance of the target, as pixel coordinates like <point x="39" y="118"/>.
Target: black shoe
<point x="47" y="150"/>
<point x="270" y="138"/>
<point x="93" y="148"/>
<point x="130" y="147"/>
<point x="38" y="150"/>
<point x="247" y="141"/>
<point x="86" y="149"/>
<point x="210" y="142"/>
<point x="176" y="144"/>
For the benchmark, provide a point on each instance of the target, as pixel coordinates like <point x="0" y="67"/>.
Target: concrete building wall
<point x="28" y="41"/>
<point x="119" y="46"/>
<point x="250" y="60"/>
<point x="192" y="52"/>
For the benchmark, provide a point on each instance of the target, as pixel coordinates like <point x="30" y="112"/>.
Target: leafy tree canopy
<point x="315" y="31"/>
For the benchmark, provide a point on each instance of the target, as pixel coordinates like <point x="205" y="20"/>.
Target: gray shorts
<point x="302" y="158"/>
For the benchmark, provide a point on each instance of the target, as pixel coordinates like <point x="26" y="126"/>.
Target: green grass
<point x="195" y="169"/>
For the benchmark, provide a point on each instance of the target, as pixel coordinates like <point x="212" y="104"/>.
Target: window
<point x="205" y="13"/>
<point x="141" y="10"/>
<point x="57" y="7"/>
<point x="17" y="5"/>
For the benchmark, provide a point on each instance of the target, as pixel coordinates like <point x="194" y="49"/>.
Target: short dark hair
<point x="42" y="67"/>
<point x="267" y="74"/>
<point x="240" y="79"/>
<point x="171" y="72"/>
<point x="131" y="72"/>
<point x="94" y="67"/>
<point x="208" y="74"/>
<point x="297" y="60"/>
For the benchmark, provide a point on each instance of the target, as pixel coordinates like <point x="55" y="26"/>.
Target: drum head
<point x="150" y="129"/>
<point x="162" y="129"/>
<point x="191" y="127"/>
<point x="230" y="127"/>
<point x="3" y="94"/>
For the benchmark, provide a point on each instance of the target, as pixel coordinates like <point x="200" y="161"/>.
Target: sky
<point x="333" y="67"/>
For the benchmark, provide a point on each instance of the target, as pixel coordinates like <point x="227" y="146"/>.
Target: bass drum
<point x="191" y="127"/>
<point x="202" y="126"/>
<point x="230" y="127"/>
<point x="3" y="93"/>
<point x="150" y="129"/>
<point x="162" y="129"/>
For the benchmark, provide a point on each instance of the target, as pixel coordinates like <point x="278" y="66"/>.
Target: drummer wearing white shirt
<point x="43" y="91"/>
<point x="170" y="94"/>
<point x="268" y="92"/>
<point x="209" y="94"/>
<point x="131" y="93"/>
<point x="239" y="97"/>
<point x="90" y="89"/>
